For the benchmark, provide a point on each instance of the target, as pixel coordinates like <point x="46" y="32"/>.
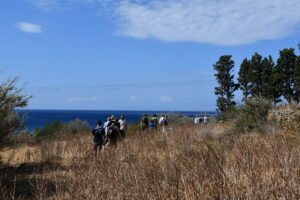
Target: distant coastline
<point x="37" y="118"/>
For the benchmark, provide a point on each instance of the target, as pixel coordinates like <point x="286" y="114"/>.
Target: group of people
<point x="201" y="119"/>
<point x="112" y="131"/>
<point x="154" y="122"/>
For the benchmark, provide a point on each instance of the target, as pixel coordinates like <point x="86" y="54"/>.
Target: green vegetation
<point x="259" y="78"/>
<point x="227" y="87"/>
<point x="56" y="129"/>
<point x="10" y="99"/>
<point x="252" y="115"/>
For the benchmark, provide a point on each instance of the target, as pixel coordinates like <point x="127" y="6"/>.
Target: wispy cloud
<point x="165" y="99"/>
<point x="85" y="99"/>
<point x="134" y="98"/>
<point x="230" y="22"/>
<point x="29" y="27"/>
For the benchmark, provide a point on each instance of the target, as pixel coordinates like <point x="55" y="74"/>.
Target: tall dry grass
<point x="188" y="162"/>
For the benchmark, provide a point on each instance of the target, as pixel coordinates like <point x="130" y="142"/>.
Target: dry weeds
<point x="204" y="162"/>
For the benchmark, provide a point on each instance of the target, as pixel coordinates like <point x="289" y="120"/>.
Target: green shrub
<point x="49" y="130"/>
<point x="178" y="119"/>
<point x="56" y="128"/>
<point x="75" y="126"/>
<point x="10" y="99"/>
<point x="252" y="115"/>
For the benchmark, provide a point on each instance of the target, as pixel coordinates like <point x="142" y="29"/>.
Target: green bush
<point x="49" y="130"/>
<point x="75" y="126"/>
<point x="252" y="115"/>
<point x="178" y="119"/>
<point x="57" y="128"/>
<point x="10" y="99"/>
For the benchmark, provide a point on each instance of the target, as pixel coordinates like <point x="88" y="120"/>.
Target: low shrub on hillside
<point x="56" y="128"/>
<point x="251" y="116"/>
<point x="178" y="119"/>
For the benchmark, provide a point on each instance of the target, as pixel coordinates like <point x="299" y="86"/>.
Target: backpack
<point x="98" y="131"/>
<point x="155" y="120"/>
<point x="112" y="126"/>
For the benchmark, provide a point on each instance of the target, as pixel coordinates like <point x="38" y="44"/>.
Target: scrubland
<point x="187" y="162"/>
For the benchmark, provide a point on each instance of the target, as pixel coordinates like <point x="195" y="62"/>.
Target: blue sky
<point x="135" y="54"/>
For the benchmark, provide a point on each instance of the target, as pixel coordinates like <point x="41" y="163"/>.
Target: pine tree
<point x="256" y="75"/>
<point x="297" y="79"/>
<point x="244" y="78"/>
<point x="276" y="86"/>
<point x="266" y="77"/>
<point x="227" y="87"/>
<point x="286" y="62"/>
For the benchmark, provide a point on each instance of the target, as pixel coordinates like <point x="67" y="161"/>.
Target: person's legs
<point x="96" y="144"/>
<point x="122" y="132"/>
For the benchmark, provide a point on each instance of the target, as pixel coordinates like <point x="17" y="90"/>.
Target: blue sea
<point x="39" y="118"/>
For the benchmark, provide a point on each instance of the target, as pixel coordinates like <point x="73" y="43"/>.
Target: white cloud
<point x="219" y="22"/>
<point x="133" y="98"/>
<point x="84" y="99"/>
<point x="165" y="99"/>
<point x="29" y="27"/>
<point x="230" y="22"/>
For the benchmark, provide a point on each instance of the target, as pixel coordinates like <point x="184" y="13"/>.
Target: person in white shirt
<point x="196" y="120"/>
<point x="123" y="126"/>
<point x="205" y="119"/>
<point x="161" y="122"/>
<point x="105" y="126"/>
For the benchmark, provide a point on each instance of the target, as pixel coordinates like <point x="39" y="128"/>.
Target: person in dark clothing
<point x="98" y="134"/>
<point x="145" y="122"/>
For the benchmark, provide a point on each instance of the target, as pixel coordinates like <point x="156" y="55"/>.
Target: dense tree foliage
<point x="259" y="77"/>
<point x="10" y="99"/>
<point x="244" y="78"/>
<point x="286" y="62"/>
<point x="297" y="79"/>
<point x="227" y="86"/>
<point x="256" y="75"/>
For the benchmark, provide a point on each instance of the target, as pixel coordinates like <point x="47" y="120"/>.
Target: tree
<point x="227" y="87"/>
<point x="266" y="77"/>
<point x="286" y="62"/>
<point x="256" y="75"/>
<point x="297" y="79"/>
<point x="276" y="86"/>
<point x="10" y="99"/>
<point x="244" y="78"/>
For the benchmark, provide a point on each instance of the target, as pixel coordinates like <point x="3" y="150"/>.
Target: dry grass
<point x="183" y="163"/>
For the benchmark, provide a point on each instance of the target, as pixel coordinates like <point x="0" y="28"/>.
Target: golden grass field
<point x="186" y="162"/>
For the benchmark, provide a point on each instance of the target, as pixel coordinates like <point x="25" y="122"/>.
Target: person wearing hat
<point x="113" y="130"/>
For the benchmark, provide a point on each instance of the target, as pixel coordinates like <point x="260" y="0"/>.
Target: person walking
<point x="145" y="123"/>
<point x="123" y="126"/>
<point x="196" y="120"/>
<point x="113" y="131"/>
<point x="205" y="119"/>
<point x="105" y="126"/>
<point x="98" y="134"/>
<point x="155" y="120"/>
<point x="161" y="122"/>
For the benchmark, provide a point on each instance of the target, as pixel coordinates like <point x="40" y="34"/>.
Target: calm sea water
<point x="39" y="118"/>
